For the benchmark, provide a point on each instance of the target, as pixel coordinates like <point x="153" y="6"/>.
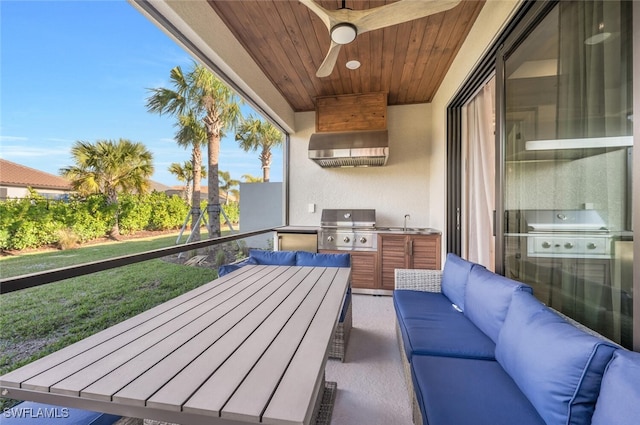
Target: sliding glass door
<point x="565" y="169"/>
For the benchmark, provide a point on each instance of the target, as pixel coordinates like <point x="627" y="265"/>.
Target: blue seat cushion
<point x="31" y="413"/>
<point x="455" y="391"/>
<point x="345" y="305"/>
<point x="304" y="258"/>
<point x="619" y="399"/>
<point x="556" y="365"/>
<point x="454" y="278"/>
<point x="430" y="325"/>
<point x="273" y="258"/>
<point x="228" y="268"/>
<point x="487" y="299"/>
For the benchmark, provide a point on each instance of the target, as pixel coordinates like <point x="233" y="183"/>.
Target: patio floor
<point x="371" y="386"/>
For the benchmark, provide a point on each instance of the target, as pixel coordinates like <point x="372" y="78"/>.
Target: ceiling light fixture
<point x="600" y="36"/>
<point x="353" y="64"/>
<point x="343" y="33"/>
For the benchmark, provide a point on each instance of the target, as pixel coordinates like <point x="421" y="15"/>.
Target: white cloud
<point x="22" y="151"/>
<point x="13" y="139"/>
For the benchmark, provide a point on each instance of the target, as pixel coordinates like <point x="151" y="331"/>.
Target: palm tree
<point x="220" y="111"/>
<point x="206" y="108"/>
<point x="248" y="178"/>
<point x="190" y="131"/>
<point x="255" y="134"/>
<point x="184" y="173"/>
<point x="227" y="183"/>
<point x="108" y="167"/>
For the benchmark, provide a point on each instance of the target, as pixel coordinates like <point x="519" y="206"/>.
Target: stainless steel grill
<point x="567" y="234"/>
<point x="348" y="230"/>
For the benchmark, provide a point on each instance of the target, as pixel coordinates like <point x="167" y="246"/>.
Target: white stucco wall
<point x="401" y="187"/>
<point x="260" y="207"/>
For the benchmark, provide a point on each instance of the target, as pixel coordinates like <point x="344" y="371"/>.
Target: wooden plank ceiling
<point x="289" y="42"/>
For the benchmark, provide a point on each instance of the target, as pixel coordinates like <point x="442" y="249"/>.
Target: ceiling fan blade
<point x="329" y="61"/>
<point x="398" y="13"/>
<point x="322" y="13"/>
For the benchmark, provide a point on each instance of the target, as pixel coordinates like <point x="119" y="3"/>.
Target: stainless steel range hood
<point x="350" y="149"/>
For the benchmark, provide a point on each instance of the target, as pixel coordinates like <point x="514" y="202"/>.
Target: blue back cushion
<point x="304" y="258"/>
<point x="487" y="299"/>
<point x="228" y="268"/>
<point x="556" y="365"/>
<point x="273" y="258"/>
<point x="619" y="399"/>
<point x="454" y="279"/>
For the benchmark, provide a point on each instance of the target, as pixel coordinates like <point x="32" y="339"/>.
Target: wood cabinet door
<point x="424" y="252"/>
<point x="364" y="268"/>
<point x="393" y="255"/>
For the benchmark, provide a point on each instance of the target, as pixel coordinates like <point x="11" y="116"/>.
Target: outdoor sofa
<point x="479" y="348"/>
<point x="338" y="346"/>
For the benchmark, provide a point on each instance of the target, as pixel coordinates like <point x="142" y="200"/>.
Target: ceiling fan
<point x="345" y="25"/>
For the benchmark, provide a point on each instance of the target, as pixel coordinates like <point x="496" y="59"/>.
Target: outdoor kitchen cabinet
<point x="406" y="251"/>
<point x="364" y="268"/>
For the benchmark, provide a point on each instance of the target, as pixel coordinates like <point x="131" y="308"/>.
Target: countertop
<point x="382" y="229"/>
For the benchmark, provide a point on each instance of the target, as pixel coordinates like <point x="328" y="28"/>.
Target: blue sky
<point x="81" y="70"/>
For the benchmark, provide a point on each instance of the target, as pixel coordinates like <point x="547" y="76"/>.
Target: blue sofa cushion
<point x="31" y="413"/>
<point x="454" y="278"/>
<point x="345" y="305"/>
<point x="304" y="258"/>
<point x="556" y="365"/>
<point x="273" y="258"/>
<point x="228" y="268"/>
<point x="487" y="299"/>
<point x="454" y="391"/>
<point x="430" y="325"/>
<point x="619" y="399"/>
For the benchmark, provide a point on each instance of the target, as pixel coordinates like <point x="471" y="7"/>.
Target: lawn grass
<point x="16" y="265"/>
<point x="37" y="321"/>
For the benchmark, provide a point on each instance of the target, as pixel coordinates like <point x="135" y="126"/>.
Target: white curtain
<point x="480" y="176"/>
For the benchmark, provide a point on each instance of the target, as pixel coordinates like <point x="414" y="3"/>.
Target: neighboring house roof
<point x="12" y="174"/>
<point x="158" y="187"/>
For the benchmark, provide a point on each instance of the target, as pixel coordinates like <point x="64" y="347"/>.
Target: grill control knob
<point x="346" y="239"/>
<point x="568" y="245"/>
<point x="363" y="240"/>
<point x="591" y="245"/>
<point x="330" y="238"/>
<point x="546" y="245"/>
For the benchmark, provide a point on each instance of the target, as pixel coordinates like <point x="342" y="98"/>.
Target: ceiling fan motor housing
<point x="344" y="33"/>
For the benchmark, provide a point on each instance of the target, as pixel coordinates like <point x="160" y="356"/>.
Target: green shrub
<point x="232" y="210"/>
<point x="34" y="221"/>
<point x="167" y="213"/>
<point x="134" y="213"/>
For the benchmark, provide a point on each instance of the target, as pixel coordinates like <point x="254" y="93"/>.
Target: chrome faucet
<point x="406" y="217"/>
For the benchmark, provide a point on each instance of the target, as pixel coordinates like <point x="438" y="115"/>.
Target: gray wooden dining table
<point x="250" y="347"/>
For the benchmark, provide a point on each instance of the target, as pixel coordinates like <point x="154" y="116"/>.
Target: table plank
<point x="103" y="378"/>
<point x="217" y="390"/>
<point x="134" y="339"/>
<point x="15" y="378"/>
<point x="167" y="388"/>
<point x="253" y="395"/>
<point x="293" y="400"/>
